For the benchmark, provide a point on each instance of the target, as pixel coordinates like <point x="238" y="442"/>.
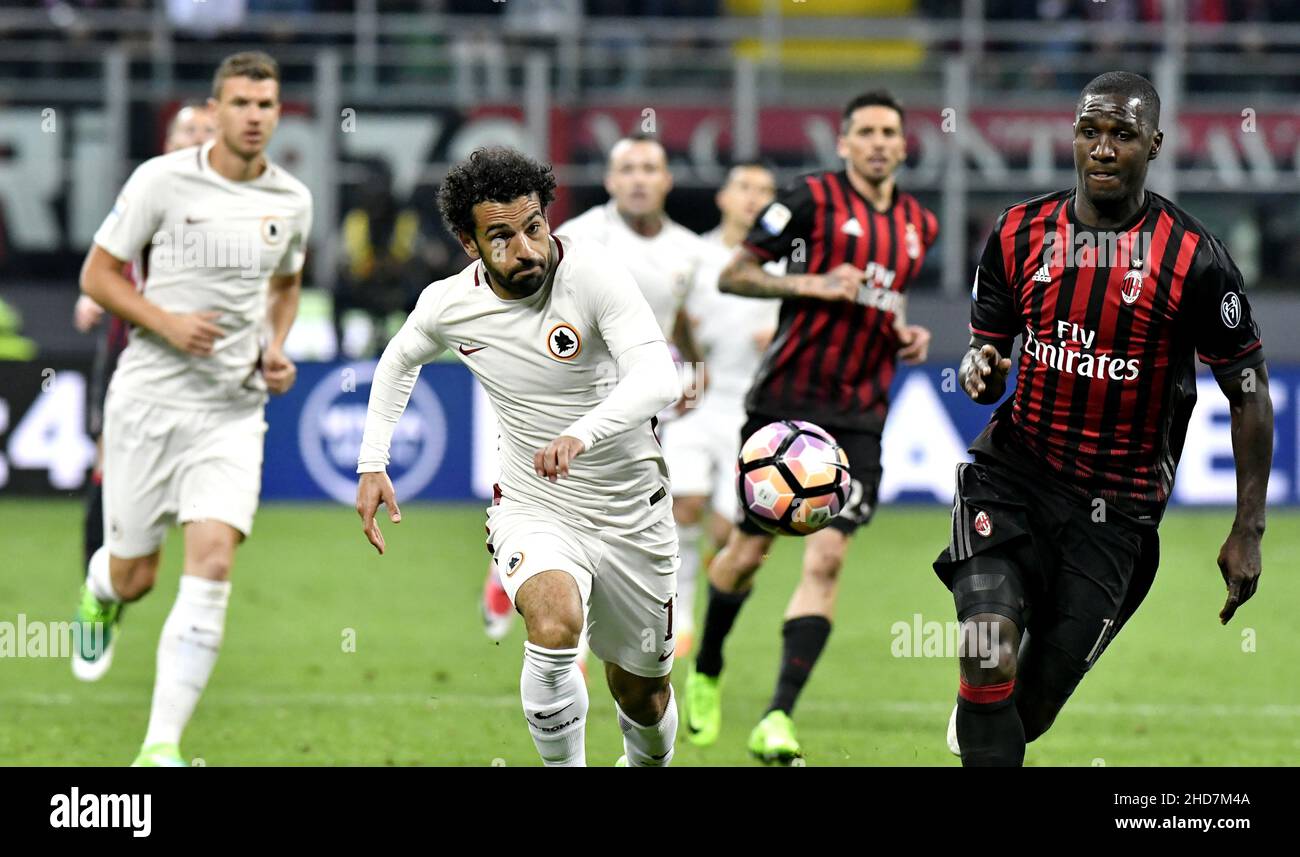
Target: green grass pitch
<point x="424" y="686"/>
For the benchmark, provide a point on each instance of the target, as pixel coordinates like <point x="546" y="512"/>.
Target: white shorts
<point x="628" y="585"/>
<point x="164" y="465"/>
<point x="701" y="450"/>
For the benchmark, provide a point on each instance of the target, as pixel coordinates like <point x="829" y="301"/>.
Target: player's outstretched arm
<point x="373" y="489"/>
<point x="1252" y="452"/>
<point x="103" y="282"/>
<point x="744" y="275"/>
<point x="983" y="373"/>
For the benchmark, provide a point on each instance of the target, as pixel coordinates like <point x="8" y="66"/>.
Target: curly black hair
<point x="495" y="174"/>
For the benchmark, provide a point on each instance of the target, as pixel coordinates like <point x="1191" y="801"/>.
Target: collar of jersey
<point x="205" y="167"/>
<point x="1136" y="219"/>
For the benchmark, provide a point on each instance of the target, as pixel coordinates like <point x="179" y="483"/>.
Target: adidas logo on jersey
<point x="852" y="227"/>
<point x="1043" y="275"/>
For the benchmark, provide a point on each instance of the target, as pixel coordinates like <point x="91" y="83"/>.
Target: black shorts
<point x="1068" y="568"/>
<point x="863" y="450"/>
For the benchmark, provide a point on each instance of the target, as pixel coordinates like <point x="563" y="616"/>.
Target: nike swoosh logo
<point x="540" y="716"/>
<point x="663" y="658"/>
<point x="468" y="351"/>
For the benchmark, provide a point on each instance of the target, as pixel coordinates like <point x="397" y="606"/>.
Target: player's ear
<point x="842" y="147"/>
<point x="1156" y="143"/>
<point x="468" y="244"/>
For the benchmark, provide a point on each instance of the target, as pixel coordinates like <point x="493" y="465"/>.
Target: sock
<point x="988" y="726"/>
<point x="98" y="580"/>
<point x="805" y="637"/>
<point x="555" y="705"/>
<point x="93" y="527"/>
<point x="688" y="537"/>
<point x="719" y="616"/>
<point x="649" y="746"/>
<point x="187" y="652"/>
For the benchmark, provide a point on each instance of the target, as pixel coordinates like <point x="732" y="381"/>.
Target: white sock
<point x="688" y="547"/>
<point x="649" y="746"/>
<point x="555" y="705"/>
<point x="187" y="652"/>
<point x="98" y="579"/>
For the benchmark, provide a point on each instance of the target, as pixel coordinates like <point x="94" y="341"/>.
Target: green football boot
<point x="703" y="708"/>
<point x="160" y="756"/>
<point x="94" y="634"/>
<point x="773" y="741"/>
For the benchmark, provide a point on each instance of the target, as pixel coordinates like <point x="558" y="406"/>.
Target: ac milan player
<point x="1054" y="540"/>
<point x="854" y="243"/>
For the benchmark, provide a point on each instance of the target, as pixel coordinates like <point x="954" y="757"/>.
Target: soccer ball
<point x="792" y="477"/>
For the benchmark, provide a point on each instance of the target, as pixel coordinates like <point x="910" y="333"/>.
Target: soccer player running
<point x="225" y="232"/>
<point x="732" y="332"/>
<point x="575" y="366"/>
<point x="192" y="125"/>
<point x="662" y="257"/>
<point x="854" y="243"/>
<point x="1115" y="290"/>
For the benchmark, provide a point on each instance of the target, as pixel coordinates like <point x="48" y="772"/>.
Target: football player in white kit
<point x="663" y="258"/>
<point x="732" y="332"/>
<point x="575" y="366"/>
<point x="225" y="232"/>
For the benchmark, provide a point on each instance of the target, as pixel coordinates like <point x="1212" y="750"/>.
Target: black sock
<point x="989" y="728"/>
<point x="718" y="619"/>
<point x="805" y="637"/>
<point x="93" y="529"/>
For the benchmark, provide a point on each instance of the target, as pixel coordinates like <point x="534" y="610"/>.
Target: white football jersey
<point x="664" y="267"/>
<point x="727" y="327"/>
<point x="208" y="244"/>
<point x="545" y="361"/>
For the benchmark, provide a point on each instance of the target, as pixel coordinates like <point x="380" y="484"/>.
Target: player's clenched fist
<point x="841" y="283"/>
<point x="193" y="332"/>
<point x="278" y="370"/>
<point x="373" y="489"/>
<point x="553" y="462"/>
<point x="984" y="373"/>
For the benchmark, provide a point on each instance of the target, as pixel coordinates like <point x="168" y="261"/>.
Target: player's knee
<point x="824" y="557"/>
<point x="988" y="649"/>
<point x="214" y="565"/>
<point x="554" y="629"/>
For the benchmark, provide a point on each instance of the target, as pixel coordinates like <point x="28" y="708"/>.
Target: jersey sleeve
<point x="929" y="228"/>
<point x="296" y="253"/>
<point x="1224" y="330"/>
<point x="993" y="318"/>
<point x="395" y="376"/>
<point x="619" y="310"/>
<point x="135" y="216"/>
<point x="786" y="219"/>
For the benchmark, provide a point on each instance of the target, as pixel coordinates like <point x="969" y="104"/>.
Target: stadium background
<point x="385" y="95"/>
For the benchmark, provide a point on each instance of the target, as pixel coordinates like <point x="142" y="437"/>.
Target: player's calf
<point x="819" y="583"/>
<point x="647" y="716"/>
<point x="129" y="579"/>
<point x="551" y="686"/>
<point x="988" y="724"/>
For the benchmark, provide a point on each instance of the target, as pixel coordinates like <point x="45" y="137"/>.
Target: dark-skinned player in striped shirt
<point x="1115" y="292"/>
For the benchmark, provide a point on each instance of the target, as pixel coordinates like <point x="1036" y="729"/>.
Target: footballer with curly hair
<point x="576" y="366"/>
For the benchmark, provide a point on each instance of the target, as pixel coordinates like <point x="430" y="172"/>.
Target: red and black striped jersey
<point x="1110" y="321"/>
<point x="832" y="362"/>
